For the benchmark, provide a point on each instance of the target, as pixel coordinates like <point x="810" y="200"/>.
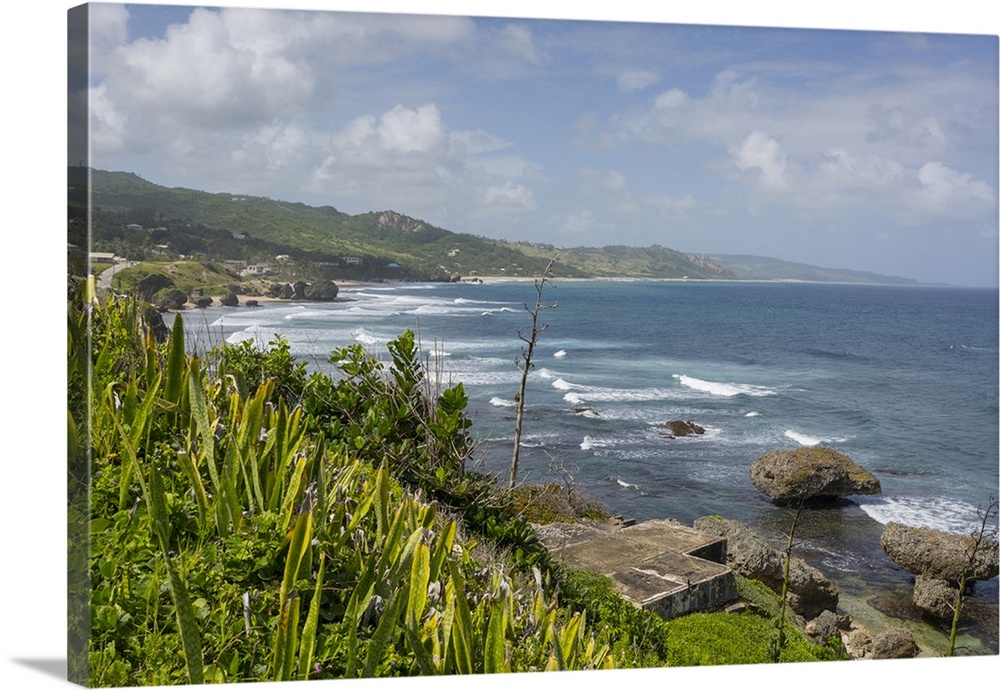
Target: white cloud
<point x="636" y="80"/>
<point x="607" y="179"/>
<point x="673" y="98"/>
<point x="946" y="192"/>
<point x="107" y="125"/>
<point x="217" y="71"/>
<point x="517" y="40"/>
<point x="849" y="137"/>
<point x="509" y="195"/>
<point x="686" y="209"/>
<point x="403" y="130"/>
<point x="761" y="155"/>
<point x="107" y="25"/>
<point x="478" y="141"/>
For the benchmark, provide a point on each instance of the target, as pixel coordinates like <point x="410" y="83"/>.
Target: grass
<point x="211" y="278"/>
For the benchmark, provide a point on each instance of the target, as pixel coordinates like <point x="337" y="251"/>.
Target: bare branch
<point x="524" y="361"/>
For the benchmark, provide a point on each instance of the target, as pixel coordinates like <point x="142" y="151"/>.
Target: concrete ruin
<point x="658" y="565"/>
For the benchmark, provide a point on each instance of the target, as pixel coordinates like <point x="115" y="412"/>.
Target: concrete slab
<point x="660" y="565"/>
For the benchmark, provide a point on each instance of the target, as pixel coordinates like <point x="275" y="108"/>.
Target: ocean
<point x="904" y="380"/>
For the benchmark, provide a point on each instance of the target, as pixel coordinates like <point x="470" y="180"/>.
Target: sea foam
<point x="806" y="440"/>
<point x="944" y="514"/>
<point x="727" y="390"/>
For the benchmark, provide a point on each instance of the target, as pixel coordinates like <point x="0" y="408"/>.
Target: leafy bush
<point x="637" y="638"/>
<point x="233" y="540"/>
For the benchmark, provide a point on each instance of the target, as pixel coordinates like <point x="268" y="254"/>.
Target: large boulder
<point x="824" y="627"/>
<point x="810" y="592"/>
<point x="153" y="320"/>
<point x="894" y="643"/>
<point x="787" y="476"/>
<point x="935" y="596"/>
<point x="230" y="299"/>
<point x="299" y="289"/>
<point x="939" y="554"/>
<point x="148" y="286"/>
<point x="676" y="428"/>
<point x="171" y="298"/>
<point x="322" y="291"/>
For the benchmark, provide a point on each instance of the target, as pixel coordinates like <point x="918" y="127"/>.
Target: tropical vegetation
<point x="234" y="517"/>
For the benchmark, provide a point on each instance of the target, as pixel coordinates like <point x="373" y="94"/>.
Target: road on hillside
<point x="104" y="279"/>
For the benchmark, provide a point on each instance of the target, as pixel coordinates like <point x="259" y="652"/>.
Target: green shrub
<point x="637" y="638"/>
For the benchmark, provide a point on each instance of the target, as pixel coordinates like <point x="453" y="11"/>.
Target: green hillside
<point x="142" y="220"/>
<point x="747" y="267"/>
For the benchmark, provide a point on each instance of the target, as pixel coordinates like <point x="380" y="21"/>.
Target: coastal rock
<point x="203" y="302"/>
<point x="925" y="551"/>
<point x="823" y="627"/>
<point x="677" y="428"/>
<point x="810" y="473"/>
<point x="155" y="324"/>
<point x="935" y="596"/>
<point x="809" y="591"/>
<point x="230" y="300"/>
<point x="324" y="291"/>
<point x="299" y="290"/>
<point x="171" y="299"/>
<point x="253" y="303"/>
<point x="894" y="643"/>
<point x="147" y="288"/>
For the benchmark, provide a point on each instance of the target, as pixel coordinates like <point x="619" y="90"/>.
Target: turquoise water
<point x="904" y="380"/>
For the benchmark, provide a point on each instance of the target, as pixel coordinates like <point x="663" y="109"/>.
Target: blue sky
<point x="872" y="150"/>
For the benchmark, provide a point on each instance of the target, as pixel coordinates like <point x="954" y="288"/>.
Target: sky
<point x="872" y="150"/>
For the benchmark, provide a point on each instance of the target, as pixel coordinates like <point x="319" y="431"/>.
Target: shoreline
<point x="857" y="603"/>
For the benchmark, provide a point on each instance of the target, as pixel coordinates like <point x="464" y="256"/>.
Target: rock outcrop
<point x="938" y="559"/>
<point x="171" y="298"/>
<point x="677" y="428"/>
<point x="280" y="291"/>
<point x="925" y="551"/>
<point x="230" y="300"/>
<point x="787" y="476"/>
<point x="809" y="591"/>
<point x="147" y="288"/>
<point x="322" y="291"/>
<point x="935" y="596"/>
<point x="894" y="643"/>
<point x="823" y="627"/>
<point x="154" y="322"/>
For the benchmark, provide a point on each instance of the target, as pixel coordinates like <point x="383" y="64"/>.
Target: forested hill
<point x="141" y="220"/>
<point x="763" y="268"/>
<point x="385" y="244"/>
